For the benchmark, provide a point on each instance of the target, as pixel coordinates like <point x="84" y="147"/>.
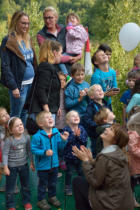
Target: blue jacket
<point x="74" y="141"/>
<point x="13" y="63"/>
<point x="72" y="95"/>
<point x="40" y="143"/>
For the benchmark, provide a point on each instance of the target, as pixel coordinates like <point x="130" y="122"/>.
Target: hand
<point x="82" y="93"/>
<point x="32" y="166"/>
<point x="46" y="108"/>
<point x="112" y="93"/>
<point x="86" y="90"/>
<point x="49" y="152"/>
<point x="59" y="112"/>
<point x="75" y="59"/>
<point x="77" y="132"/>
<point x="65" y="135"/>
<point x="6" y="171"/>
<point x="16" y="93"/>
<point x="83" y="153"/>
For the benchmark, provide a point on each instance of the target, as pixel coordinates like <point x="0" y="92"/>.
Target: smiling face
<point x="101" y="58"/>
<point x="73" y="118"/>
<point x="47" y="121"/>
<point x="97" y="93"/>
<point x="4" y="117"/>
<point x="131" y="82"/>
<point x="110" y="116"/>
<point x="79" y="77"/>
<point x="57" y="56"/>
<point x="50" y="19"/>
<point x="17" y="129"/>
<point x="72" y="19"/>
<point x="108" y="136"/>
<point x="23" y="25"/>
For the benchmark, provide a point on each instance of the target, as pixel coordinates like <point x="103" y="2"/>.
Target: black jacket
<point x="45" y="89"/>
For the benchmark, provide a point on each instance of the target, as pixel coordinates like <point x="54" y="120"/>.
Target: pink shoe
<point x="28" y="206"/>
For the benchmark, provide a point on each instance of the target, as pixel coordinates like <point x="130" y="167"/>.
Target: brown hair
<point x="76" y="67"/>
<point x="13" y="27"/>
<point x="10" y="126"/>
<point x="121" y="137"/>
<point x="93" y="59"/>
<point x="101" y="116"/>
<point x="72" y="14"/>
<point x="46" y="51"/>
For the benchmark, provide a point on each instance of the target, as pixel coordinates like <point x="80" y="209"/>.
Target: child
<point x="15" y="152"/>
<point x="76" y="37"/>
<point x="61" y="113"/>
<point x="77" y="137"/>
<point x="4" y="117"/>
<point x="96" y="95"/>
<point x="135" y="100"/>
<point x="136" y="62"/>
<point x="104" y="119"/>
<point x="44" y="145"/>
<point x="107" y="183"/>
<point x="104" y="75"/>
<point x="133" y="126"/>
<point x="107" y="50"/>
<point x="76" y="92"/>
<point x="126" y="96"/>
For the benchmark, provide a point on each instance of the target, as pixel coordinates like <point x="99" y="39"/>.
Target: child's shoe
<point x="68" y="190"/>
<point x="136" y="204"/>
<point x="43" y="205"/>
<point x="68" y="79"/>
<point x="59" y="174"/>
<point x="28" y="206"/>
<point x="54" y="201"/>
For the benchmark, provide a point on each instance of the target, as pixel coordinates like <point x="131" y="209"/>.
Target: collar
<point x="111" y="148"/>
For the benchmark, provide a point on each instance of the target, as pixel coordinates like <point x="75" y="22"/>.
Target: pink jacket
<point x="134" y="152"/>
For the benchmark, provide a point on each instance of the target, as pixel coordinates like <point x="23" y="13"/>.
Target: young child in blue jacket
<point x="45" y="145"/>
<point x="77" y="137"/>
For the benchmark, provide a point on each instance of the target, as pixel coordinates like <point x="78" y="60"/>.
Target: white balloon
<point x="129" y="36"/>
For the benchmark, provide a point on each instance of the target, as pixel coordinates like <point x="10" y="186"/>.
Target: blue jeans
<point x="17" y="104"/>
<point x="72" y="165"/>
<point x="47" y="178"/>
<point x="23" y="172"/>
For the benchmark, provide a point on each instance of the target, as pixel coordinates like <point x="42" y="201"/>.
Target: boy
<point x="77" y="137"/>
<point x="107" y="50"/>
<point x="44" y="145"/>
<point x="104" y="75"/>
<point x="96" y="95"/>
<point x="76" y="92"/>
<point x="126" y="96"/>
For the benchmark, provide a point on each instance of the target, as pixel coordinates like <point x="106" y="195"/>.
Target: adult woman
<point x="52" y="30"/>
<point x="46" y="85"/>
<point x="18" y="62"/>
<point x="108" y="179"/>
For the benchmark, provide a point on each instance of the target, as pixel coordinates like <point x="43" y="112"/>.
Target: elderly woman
<point x="54" y="31"/>
<point x="107" y="184"/>
<point x="18" y="62"/>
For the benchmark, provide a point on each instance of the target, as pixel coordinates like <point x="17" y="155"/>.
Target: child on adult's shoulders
<point x="76" y="91"/>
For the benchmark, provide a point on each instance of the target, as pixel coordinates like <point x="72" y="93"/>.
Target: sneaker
<point x="43" y="205"/>
<point x="28" y="206"/>
<point x="54" y="201"/>
<point x="68" y="79"/>
<point x="68" y="190"/>
<point x="59" y="175"/>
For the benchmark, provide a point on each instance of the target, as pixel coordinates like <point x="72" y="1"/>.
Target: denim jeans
<point x="17" y="104"/>
<point x="23" y="172"/>
<point x="47" y="178"/>
<point x="72" y="165"/>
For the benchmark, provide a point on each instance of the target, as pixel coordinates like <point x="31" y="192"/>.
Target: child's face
<point x="4" y="117"/>
<point x="101" y="58"/>
<point x="137" y="61"/>
<point x="72" y="19"/>
<point x="97" y="93"/>
<point x="48" y="121"/>
<point x="131" y="83"/>
<point x="17" y="128"/>
<point x="79" y="77"/>
<point x="108" y="53"/>
<point x="63" y="81"/>
<point x="74" y="119"/>
<point x="108" y="135"/>
<point x="110" y="116"/>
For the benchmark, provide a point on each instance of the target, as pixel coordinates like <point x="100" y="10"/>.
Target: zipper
<point x="51" y="149"/>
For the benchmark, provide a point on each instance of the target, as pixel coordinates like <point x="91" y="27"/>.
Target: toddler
<point x="44" y="146"/>
<point x="77" y="137"/>
<point x="136" y="62"/>
<point x="16" y="151"/>
<point x="76" y="37"/>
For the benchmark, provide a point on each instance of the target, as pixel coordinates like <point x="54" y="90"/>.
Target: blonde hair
<point x="101" y="116"/>
<point x="13" y="27"/>
<point x="72" y="14"/>
<point x="40" y="117"/>
<point x="69" y="114"/>
<point x="46" y="51"/>
<point x="52" y="9"/>
<point x="92" y="89"/>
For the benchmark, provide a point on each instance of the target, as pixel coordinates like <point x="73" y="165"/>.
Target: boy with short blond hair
<point x="45" y="145"/>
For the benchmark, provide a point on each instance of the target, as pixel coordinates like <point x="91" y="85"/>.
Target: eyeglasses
<point x="25" y="23"/>
<point x="48" y="18"/>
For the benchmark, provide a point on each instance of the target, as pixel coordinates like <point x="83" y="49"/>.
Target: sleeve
<point x="133" y="102"/>
<point x="114" y="79"/>
<point x="78" y="32"/>
<point x="36" y="147"/>
<point x="89" y="117"/>
<point x="95" y="174"/>
<point x="95" y="79"/>
<point x="6" y="71"/>
<point x="28" y="146"/>
<point x="71" y="99"/>
<point x="40" y="39"/>
<point x="123" y="98"/>
<point x="5" y="151"/>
